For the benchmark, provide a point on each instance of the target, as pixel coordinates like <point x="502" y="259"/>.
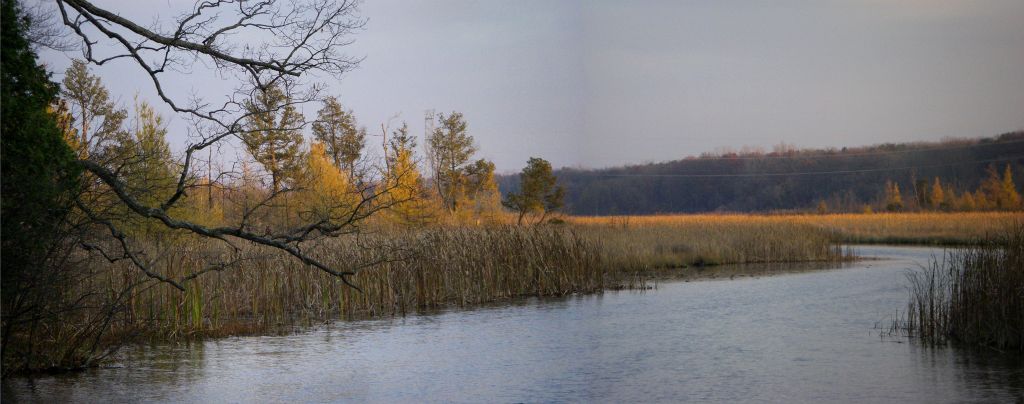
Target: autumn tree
<point x="273" y="134"/>
<point x="922" y="193"/>
<point x="326" y="193"/>
<point x="538" y="190"/>
<point x="999" y="191"/>
<point x="893" y="199"/>
<point x="406" y="191"/>
<point x="822" y="207"/>
<point x="1011" y="199"/>
<point x="449" y="149"/>
<point x="265" y="52"/>
<point x="937" y="196"/>
<point x="967" y="202"/>
<point x="336" y="128"/>
<point x="480" y="194"/>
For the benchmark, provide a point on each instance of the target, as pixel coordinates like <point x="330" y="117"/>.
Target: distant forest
<point x="848" y="179"/>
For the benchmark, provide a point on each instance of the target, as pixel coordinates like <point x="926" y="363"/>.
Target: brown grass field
<point x="876" y="228"/>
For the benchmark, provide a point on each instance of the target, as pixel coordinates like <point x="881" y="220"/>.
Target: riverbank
<point x="802" y="337"/>
<point x="404" y="271"/>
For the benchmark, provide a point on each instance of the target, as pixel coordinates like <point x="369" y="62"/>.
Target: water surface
<point x="794" y="337"/>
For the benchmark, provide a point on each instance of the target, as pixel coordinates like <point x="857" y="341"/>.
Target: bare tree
<point x="259" y="45"/>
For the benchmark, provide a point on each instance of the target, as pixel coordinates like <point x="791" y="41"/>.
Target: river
<point x="805" y="336"/>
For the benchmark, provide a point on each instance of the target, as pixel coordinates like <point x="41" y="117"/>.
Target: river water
<point x="806" y="336"/>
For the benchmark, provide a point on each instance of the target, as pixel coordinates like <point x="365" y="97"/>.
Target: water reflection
<point x="802" y="336"/>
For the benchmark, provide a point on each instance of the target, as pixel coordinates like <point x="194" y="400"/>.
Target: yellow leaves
<point x="405" y="196"/>
<point x="326" y="193"/>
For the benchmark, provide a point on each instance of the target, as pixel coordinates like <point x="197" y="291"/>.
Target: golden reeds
<point x="888" y="228"/>
<point x="974" y="296"/>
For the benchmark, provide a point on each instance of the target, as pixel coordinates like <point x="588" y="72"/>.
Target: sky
<point x="604" y="83"/>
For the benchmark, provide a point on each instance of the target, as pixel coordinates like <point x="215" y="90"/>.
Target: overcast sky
<point x="599" y="83"/>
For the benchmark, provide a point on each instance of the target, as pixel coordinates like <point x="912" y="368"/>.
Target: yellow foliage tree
<point x="327" y="194"/>
<point x="981" y="201"/>
<point x="1010" y="198"/>
<point x="405" y="193"/>
<point x="938" y="195"/>
<point x="967" y="202"/>
<point x="893" y="199"/>
<point x="481" y="202"/>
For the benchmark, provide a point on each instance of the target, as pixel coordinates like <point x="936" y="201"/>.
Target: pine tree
<point x="40" y="180"/>
<point x="99" y="120"/>
<point x="273" y="134"/>
<point x="449" y="149"/>
<point x="336" y="128"/>
<point x="538" y="190"/>
<point x="150" y="168"/>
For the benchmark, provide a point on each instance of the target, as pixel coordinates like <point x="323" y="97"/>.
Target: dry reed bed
<point x="442" y="266"/>
<point x="413" y="270"/>
<point x="911" y="227"/>
<point x="643" y="242"/>
<point x="974" y="296"/>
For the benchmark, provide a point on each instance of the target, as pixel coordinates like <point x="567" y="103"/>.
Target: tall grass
<point x="412" y="270"/>
<point x="437" y="267"/>
<point x="975" y="296"/>
<point x="644" y="242"/>
<point x="404" y="271"/>
<point x="913" y="228"/>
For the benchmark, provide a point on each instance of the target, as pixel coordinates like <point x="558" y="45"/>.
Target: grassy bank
<point x="974" y="296"/>
<point x="651" y="242"/>
<point x="398" y="271"/>
<point x="451" y="266"/>
<point x="878" y="228"/>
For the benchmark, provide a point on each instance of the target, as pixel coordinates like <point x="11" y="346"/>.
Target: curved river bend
<point x="795" y="337"/>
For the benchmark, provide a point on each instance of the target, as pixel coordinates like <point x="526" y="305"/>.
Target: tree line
<point x="849" y="179"/>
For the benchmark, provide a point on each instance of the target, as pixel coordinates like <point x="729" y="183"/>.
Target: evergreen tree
<point x="336" y="129"/>
<point x="273" y="134"/>
<point x="450" y="148"/>
<point x="40" y="179"/>
<point x="99" y="120"/>
<point x="538" y="190"/>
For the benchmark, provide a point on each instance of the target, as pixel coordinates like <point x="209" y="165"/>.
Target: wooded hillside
<point x="846" y="179"/>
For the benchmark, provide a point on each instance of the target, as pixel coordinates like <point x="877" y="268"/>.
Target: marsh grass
<point x="954" y="228"/>
<point x="973" y="296"/>
<point x="436" y="267"/>
<point x="415" y="270"/>
<point x="642" y="243"/>
<point x="404" y="271"/>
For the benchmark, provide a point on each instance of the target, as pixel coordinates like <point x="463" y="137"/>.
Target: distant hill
<point x="846" y="179"/>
